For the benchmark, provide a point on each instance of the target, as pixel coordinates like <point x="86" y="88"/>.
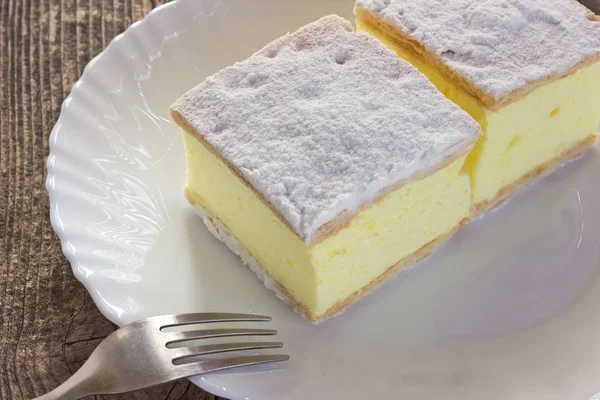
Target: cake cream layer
<point x="320" y="280"/>
<point x="326" y="162"/>
<point x="553" y="123"/>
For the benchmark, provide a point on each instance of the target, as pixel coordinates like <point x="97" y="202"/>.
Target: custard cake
<point x="326" y="163"/>
<point x="527" y="70"/>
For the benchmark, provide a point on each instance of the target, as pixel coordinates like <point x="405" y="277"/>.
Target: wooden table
<point x="48" y="323"/>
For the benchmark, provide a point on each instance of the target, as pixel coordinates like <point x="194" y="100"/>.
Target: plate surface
<point x="508" y="309"/>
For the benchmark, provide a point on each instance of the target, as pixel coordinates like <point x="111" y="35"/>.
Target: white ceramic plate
<point x="508" y="309"/>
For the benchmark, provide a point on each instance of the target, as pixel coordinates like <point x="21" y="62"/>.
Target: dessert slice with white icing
<point x="326" y="163"/>
<point x="527" y="70"/>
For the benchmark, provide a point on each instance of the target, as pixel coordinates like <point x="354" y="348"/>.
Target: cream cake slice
<point x="527" y="70"/>
<point x="326" y="163"/>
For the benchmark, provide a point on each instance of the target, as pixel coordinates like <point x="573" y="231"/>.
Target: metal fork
<point x="139" y="355"/>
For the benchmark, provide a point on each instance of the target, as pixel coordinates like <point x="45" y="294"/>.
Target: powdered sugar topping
<point x="498" y="45"/>
<point x="320" y="121"/>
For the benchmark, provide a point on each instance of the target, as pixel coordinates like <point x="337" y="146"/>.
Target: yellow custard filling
<point x="323" y="276"/>
<point x="523" y="135"/>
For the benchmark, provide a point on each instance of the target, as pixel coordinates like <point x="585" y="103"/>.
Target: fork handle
<point x="80" y="384"/>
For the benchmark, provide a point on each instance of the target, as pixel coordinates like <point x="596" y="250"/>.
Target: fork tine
<point x="176" y="337"/>
<point x="201" y="318"/>
<point x="187" y="352"/>
<point x="204" y="366"/>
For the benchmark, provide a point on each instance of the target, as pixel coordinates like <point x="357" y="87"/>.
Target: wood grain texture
<point x="48" y="323"/>
<point x="593" y="5"/>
